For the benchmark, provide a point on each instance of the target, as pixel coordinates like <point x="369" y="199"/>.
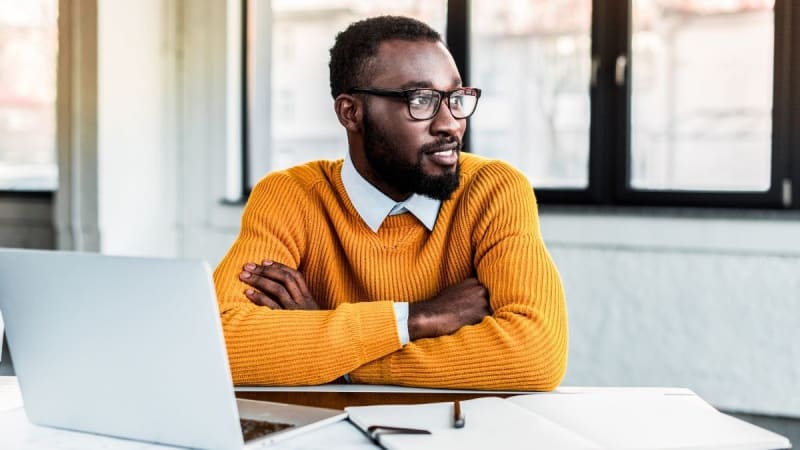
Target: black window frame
<point x="609" y="135"/>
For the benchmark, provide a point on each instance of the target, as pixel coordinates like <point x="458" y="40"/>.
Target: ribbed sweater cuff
<point x="376" y="372"/>
<point x="377" y="333"/>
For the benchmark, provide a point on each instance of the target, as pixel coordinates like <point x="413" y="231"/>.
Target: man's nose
<point x="444" y="122"/>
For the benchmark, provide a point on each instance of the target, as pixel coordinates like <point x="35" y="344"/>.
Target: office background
<point x="149" y="110"/>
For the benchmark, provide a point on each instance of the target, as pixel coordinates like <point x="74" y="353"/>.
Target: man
<point x="407" y="263"/>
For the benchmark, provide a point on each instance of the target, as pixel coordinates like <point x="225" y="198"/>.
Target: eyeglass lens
<point x="423" y="104"/>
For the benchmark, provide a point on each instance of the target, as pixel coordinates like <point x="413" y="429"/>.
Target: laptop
<point x="133" y="348"/>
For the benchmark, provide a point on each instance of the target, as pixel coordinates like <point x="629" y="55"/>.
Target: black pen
<point x="458" y="415"/>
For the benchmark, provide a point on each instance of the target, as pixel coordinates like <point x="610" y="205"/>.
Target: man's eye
<point x="419" y="100"/>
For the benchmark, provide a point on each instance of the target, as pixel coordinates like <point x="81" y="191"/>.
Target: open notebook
<point x="589" y="418"/>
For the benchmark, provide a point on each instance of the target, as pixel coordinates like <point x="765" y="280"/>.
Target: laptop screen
<point x="137" y="347"/>
<point x="136" y="344"/>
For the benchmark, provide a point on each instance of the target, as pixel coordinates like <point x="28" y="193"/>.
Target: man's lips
<point x="444" y="155"/>
<point x="442" y="148"/>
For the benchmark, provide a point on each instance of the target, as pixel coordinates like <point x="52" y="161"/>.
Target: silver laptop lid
<point x="129" y="347"/>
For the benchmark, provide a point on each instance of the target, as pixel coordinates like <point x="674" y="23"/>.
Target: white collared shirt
<point x="374" y="207"/>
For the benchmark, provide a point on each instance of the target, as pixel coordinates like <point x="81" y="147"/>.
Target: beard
<point x="382" y="153"/>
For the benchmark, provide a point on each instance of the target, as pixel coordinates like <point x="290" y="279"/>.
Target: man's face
<point x="404" y="155"/>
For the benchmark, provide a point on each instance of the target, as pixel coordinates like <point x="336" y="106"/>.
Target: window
<point x="28" y="47"/>
<point x="533" y="62"/>
<point x="645" y="102"/>
<point x="702" y="95"/>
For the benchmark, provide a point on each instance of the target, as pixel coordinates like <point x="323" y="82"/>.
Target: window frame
<point x="610" y="126"/>
<point x="624" y="194"/>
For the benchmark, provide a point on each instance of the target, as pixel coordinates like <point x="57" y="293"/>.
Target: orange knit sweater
<point x="489" y="228"/>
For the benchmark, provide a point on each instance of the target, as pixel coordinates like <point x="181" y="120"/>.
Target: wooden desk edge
<point x="339" y="400"/>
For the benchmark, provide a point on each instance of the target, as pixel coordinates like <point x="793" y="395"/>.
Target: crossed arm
<point x="277" y="286"/>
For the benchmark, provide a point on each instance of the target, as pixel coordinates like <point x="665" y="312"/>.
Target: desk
<point x="338" y="396"/>
<point x="17" y="433"/>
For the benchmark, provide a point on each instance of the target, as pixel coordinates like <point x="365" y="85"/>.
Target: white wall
<point x="710" y="303"/>
<point x="206" y="224"/>
<point x="137" y="153"/>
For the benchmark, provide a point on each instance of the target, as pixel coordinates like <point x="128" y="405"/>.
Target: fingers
<point x="265" y="287"/>
<point x="283" y="286"/>
<point x="291" y="279"/>
<point x="464" y="303"/>
<point x="260" y="299"/>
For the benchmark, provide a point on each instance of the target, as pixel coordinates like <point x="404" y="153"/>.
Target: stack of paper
<point x="572" y="419"/>
<point x="491" y="422"/>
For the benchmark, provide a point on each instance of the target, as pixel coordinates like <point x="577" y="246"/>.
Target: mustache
<point x="442" y="143"/>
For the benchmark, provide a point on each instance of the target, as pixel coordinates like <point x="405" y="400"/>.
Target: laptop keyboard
<point x="252" y="429"/>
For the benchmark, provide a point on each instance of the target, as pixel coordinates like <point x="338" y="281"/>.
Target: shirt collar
<point x="374" y="206"/>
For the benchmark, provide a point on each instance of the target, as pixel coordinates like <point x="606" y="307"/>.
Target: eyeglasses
<point x="423" y="104"/>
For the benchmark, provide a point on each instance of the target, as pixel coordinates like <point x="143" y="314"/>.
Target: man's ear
<point x="349" y="111"/>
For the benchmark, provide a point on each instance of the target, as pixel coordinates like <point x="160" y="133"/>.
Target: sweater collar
<point x="374" y="206"/>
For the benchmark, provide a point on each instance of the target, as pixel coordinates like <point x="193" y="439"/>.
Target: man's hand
<point x="276" y="286"/>
<point x="465" y="303"/>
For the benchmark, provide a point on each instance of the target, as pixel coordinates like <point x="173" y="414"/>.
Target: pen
<point x="458" y="415"/>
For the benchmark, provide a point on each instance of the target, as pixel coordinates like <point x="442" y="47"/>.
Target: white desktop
<point x="618" y="418"/>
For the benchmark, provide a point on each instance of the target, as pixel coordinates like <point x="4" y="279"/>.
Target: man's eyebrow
<point x="419" y="84"/>
<point x="416" y="84"/>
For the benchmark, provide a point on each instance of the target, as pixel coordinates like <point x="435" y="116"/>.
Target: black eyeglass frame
<point x="407" y="93"/>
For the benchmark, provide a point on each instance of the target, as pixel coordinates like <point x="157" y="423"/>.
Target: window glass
<point x="293" y="120"/>
<point x="533" y="61"/>
<point x="28" y="47"/>
<point x="701" y="104"/>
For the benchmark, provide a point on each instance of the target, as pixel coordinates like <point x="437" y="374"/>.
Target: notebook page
<point x="645" y="419"/>
<point x="491" y="422"/>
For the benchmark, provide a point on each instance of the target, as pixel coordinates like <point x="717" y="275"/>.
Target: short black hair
<point x="356" y="45"/>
